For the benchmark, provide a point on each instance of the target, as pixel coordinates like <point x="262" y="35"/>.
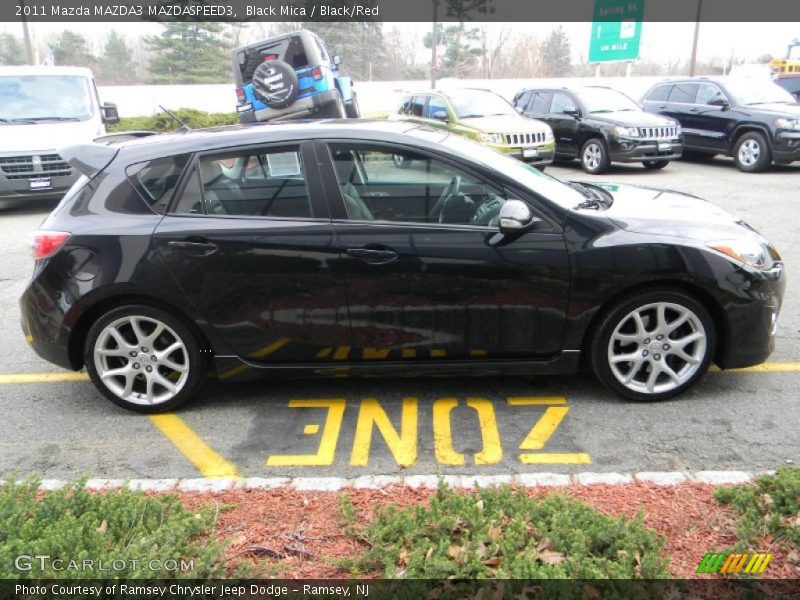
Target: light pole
<point x="434" y="41"/>
<point x="693" y="59"/>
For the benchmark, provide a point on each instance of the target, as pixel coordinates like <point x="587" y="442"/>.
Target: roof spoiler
<point x="89" y="159"/>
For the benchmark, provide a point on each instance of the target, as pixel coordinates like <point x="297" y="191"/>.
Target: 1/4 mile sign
<point x="616" y="30"/>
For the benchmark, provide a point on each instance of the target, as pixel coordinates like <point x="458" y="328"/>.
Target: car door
<point x="711" y="119"/>
<point x="249" y="240"/>
<point x="432" y="280"/>
<point x="680" y="100"/>
<point x="563" y="118"/>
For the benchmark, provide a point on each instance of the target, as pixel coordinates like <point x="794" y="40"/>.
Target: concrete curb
<point x="333" y="484"/>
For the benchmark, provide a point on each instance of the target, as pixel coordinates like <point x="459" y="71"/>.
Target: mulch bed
<point x="294" y="534"/>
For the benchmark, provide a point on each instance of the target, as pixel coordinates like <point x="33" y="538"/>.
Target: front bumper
<point x="752" y="319"/>
<point x="34" y="176"/>
<point x="633" y="150"/>
<point x="302" y="107"/>
<point x="787" y="146"/>
<point x="534" y="154"/>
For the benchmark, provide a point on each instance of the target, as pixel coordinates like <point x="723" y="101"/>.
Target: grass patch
<point x="117" y="525"/>
<point x="770" y="506"/>
<point x="499" y="532"/>
<point x="196" y="119"/>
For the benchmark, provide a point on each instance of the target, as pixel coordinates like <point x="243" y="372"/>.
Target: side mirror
<point x="110" y="113"/>
<point x="572" y="112"/>
<point x="516" y="217"/>
<point x="337" y="59"/>
<point x="721" y="102"/>
<point x="441" y="115"/>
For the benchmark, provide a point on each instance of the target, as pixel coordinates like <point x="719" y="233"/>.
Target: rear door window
<point x="418" y="106"/>
<point x="683" y="93"/>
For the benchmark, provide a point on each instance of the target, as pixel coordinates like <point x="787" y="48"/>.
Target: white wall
<point x="374" y="97"/>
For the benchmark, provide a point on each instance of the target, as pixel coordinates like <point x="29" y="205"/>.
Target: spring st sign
<point x="616" y="30"/>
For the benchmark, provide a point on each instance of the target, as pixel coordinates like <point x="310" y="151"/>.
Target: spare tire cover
<point x="275" y="83"/>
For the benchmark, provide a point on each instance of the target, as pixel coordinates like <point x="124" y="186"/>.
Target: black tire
<point x="618" y="315"/>
<point x="352" y="109"/>
<point x="189" y="357"/>
<point x="655" y="165"/>
<point x="336" y="109"/>
<point x="597" y="147"/>
<point x="275" y="84"/>
<point x="751" y="153"/>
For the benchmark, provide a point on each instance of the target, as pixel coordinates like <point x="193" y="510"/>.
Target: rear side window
<point x="683" y="93"/>
<point x="257" y="183"/>
<point x="157" y="179"/>
<point x="658" y="94"/>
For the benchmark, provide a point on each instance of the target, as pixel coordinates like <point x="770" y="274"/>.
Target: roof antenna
<point x="183" y="128"/>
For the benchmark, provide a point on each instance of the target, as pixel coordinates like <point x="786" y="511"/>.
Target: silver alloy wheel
<point x="141" y="360"/>
<point x="592" y="155"/>
<point x="749" y="152"/>
<point x="657" y="347"/>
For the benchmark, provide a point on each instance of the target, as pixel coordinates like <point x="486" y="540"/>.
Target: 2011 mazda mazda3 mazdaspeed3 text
<point x="304" y="249"/>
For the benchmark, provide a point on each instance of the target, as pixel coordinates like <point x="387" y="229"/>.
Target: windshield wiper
<point x="16" y="121"/>
<point x="595" y="197"/>
<point x="37" y="119"/>
<point x="470" y="116"/>
<point x="602" y="110"/>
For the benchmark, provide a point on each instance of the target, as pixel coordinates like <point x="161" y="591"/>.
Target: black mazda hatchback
<point x="309" y="249"/>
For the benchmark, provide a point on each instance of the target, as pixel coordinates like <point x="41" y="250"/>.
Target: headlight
<point x="626" y="131"/>
<point x="492" y="138"/>
<point x="748" y="251"/>
<point x="787" y="123"/>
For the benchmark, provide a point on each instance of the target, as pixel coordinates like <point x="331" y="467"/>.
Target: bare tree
<point x="492" y="46"/>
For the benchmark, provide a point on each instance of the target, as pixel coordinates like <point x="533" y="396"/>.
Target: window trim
<point x="337" y="207"/>
<point x="313" y="182"/>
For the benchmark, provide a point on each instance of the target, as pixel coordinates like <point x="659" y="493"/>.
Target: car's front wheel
<point x="143" y="358"/>
<point x="655" y="164"/>
<point x="653" y="345"/>
<point x="336" y="109"/>
<point x="751" y="152"/>
<point x="594" y="157"/>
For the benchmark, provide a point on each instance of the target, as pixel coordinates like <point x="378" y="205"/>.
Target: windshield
<point x="604" y="100"/>
<point x="527" y="176"/>
<point x="758" y="92"/>
<point x="43" y="97"/>
<point x="479" y="103"/>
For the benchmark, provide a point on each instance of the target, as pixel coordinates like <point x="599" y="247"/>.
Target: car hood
<point x="632" y="117"/>
<point x="46" y="136"/>
<point x="778" y="109"/>
<point x="504" y="124"/>
<point x="670" y="213"/>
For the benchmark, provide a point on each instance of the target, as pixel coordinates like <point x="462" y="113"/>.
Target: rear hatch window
<point x="289" y="50"/>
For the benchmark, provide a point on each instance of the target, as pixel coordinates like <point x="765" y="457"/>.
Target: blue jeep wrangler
<point x="289" y="77"/>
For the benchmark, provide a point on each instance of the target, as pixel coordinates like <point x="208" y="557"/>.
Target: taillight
<point x="46" y="243"/>
<point x="316" y="73"/>
<point x="240" y="97"/>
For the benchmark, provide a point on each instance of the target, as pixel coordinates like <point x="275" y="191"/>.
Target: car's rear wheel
<point x="653" y="345"/>
<point x="336" y="109"/>
<point x="751" y="152"/>
<point x="655" y="164"/>
<point x="352" y="109"/>
<point x="594" y="156"/>
<point x="143" y="358"/>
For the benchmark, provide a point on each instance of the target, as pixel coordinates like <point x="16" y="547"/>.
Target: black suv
<point x="600" y="125"/>
<point x="752" y="120"/>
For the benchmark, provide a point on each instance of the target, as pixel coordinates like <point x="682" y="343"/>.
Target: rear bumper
<point x="752" y="320"/>
<point x="631" y="150"/>
<point x="302" y="107"/>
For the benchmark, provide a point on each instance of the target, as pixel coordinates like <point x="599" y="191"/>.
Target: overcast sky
<point x="661" y="42"/>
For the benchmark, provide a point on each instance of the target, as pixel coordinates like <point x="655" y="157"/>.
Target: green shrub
<point x="770" y="506"/>
<point x="505" y="534"/>
<point x="195" y="119"/>
<point x="123" y="525"/>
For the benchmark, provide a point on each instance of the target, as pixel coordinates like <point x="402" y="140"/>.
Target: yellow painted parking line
<point x="556" y="458"/>
<point x="774" y="367"/>
<point x="531" y="400"/>
<point x="193" y="447"/>
<point x="42" y="377"/>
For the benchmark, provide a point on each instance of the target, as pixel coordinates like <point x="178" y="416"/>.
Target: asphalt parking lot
<point x="56" y="425"/>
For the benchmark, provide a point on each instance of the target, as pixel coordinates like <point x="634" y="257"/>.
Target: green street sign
<point x="616" y="30"/>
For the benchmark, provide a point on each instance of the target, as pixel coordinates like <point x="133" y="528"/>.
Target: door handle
<point x="373" y="256"/>
<point x="694" y="110"/>
<point x="198" y="248"/>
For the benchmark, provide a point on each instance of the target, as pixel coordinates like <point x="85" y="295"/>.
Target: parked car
<point x="291" y="76"/>
<point x="599" y="125"/>
<point x="483" y="116"/>
<point x="753" y="120"/>
<point x="791" y="83"/>
<point x="42" y="109"/>
<point x="303" y="249"/>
